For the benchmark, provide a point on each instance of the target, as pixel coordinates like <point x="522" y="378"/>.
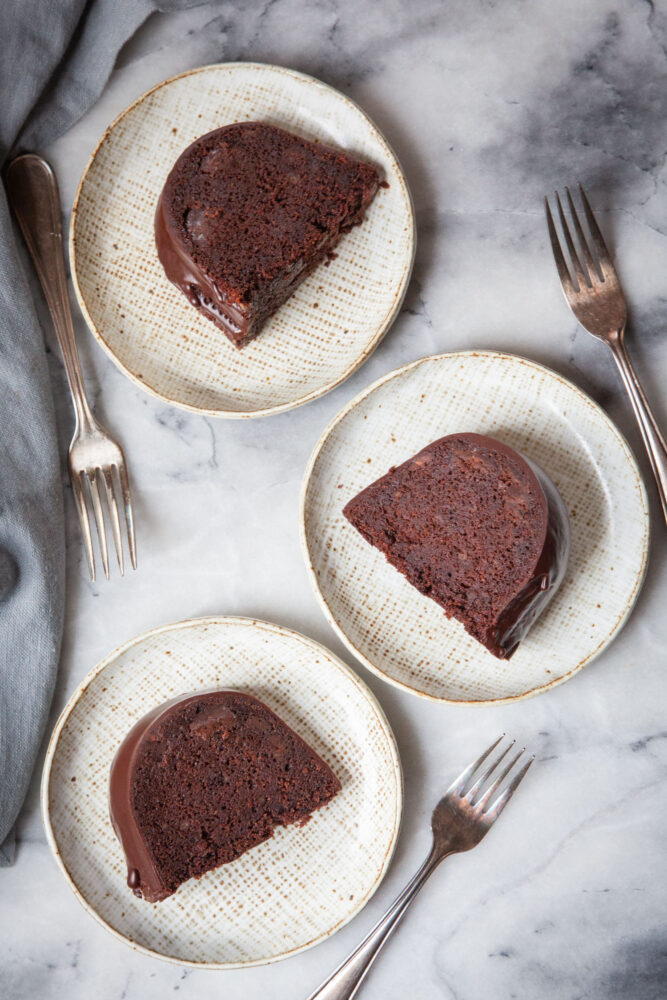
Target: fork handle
<point x="654" y="441"/>
<point x="32" y="190"/>
<point x="348" y="977"/>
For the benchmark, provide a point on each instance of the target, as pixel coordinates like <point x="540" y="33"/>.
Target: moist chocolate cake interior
<point x="247" y="212"/>
<point x="476" y="527"/>
<point x="201" y="780"/>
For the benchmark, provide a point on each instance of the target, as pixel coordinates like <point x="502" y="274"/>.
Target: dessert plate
<point x="405" y="637"/>
<point x="288" y="893"/>
<point x="328" y="327"/>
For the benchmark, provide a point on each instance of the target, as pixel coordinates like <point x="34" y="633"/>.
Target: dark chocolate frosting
<point x="192" y="280"/>
<point x="522" y="612"/>
<point x="143" y="876"/>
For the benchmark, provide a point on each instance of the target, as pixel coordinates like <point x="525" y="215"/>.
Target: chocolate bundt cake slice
<point x="475" y="526"/>
<point x="245" y="215"/>
<point x="203" y="778"/>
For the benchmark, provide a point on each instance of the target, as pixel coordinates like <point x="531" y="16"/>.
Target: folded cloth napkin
<point x="54" y="61"/>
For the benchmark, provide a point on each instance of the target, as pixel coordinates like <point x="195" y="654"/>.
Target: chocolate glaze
<point x="193" y="281"/>
<point x="522" y="612"/>
<point x="143" y="877"/>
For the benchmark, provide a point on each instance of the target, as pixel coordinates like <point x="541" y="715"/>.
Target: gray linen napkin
<point x="55" y="57"/>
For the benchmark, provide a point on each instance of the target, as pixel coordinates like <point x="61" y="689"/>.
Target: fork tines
<point x="589" y="260"/>
<point x="87" y="487"/>
<point x="486" y="789"/>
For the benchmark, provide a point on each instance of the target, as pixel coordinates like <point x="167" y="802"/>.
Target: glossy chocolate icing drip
<point x="143" y="876"/>
<point x="193" y="281"/>
<point x="522" y="612"/>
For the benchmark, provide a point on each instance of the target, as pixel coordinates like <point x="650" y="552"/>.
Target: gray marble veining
<point x="489" y="106"/>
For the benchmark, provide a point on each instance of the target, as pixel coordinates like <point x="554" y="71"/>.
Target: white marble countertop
<point x="488" y="106"/>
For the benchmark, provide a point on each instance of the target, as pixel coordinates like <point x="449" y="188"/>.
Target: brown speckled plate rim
<point x="383" y="327"/>
<point x="303" y="530"/>
<point x="271" y="628"/>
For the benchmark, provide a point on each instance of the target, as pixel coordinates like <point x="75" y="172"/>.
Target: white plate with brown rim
<point x="322" y="334"/>
<point x="279" y="898"/>
<point x="406" y="637"/>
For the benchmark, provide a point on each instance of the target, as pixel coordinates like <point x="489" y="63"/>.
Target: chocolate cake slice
<point x="247" y="212"/>
<point x="203" y="778"/>
<point x="475" y="526"/>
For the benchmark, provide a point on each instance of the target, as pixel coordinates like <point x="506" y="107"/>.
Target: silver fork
<point x="595" y="296"/>
<point x="460" y="820"/>
<point x="96" y="462"/>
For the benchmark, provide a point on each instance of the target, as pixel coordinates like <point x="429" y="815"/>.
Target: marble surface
<point x="488" y="106"/>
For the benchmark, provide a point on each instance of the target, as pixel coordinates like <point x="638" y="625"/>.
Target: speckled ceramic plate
<point x="288" y="893"/>
<point x="405" y="637"/>
<point x="322" y="334"/>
